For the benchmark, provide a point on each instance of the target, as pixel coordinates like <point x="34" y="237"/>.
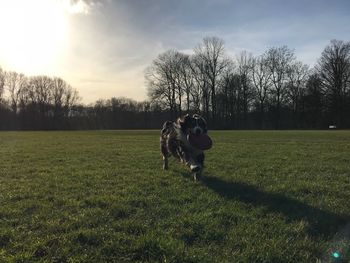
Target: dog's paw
<point x="197" y="176"/>
<point x="195" y="168"/>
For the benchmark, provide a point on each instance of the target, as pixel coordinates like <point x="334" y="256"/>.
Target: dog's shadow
<point x="321" y="222"/>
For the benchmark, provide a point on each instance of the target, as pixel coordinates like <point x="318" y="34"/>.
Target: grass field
<point x="101" y="196"/>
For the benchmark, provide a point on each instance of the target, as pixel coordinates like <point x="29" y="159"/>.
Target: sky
<point x="102" y="47"/>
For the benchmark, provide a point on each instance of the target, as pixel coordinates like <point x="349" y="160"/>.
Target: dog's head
<point x="193" y="124"/>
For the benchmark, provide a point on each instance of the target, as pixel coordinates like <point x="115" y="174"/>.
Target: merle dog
<point x="174" y="141"/>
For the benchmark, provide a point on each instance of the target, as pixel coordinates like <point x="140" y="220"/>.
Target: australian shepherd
<point x="184" y="140"/>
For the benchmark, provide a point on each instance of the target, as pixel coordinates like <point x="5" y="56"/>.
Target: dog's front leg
<point x="197" y="175"/>
<point x="200" y="160"/>
<point x="187" y="158"/>
<point x="165" y="163"/>
<point x="165" y="154"/>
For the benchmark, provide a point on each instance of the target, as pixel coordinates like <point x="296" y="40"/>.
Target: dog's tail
<point x="166" y="127"/>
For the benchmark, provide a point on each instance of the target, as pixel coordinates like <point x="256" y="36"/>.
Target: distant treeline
<point x="270" y="91"/>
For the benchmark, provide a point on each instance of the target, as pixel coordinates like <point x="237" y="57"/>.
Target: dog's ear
<point x="182" y="121"/>
<point x="186" y="117"/>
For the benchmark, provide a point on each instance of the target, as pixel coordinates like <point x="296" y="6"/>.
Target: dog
<point x="174" y="141"/>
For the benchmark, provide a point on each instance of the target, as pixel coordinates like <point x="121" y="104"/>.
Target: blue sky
<point x="252" y="25"/>
<point x="111" y="42"/>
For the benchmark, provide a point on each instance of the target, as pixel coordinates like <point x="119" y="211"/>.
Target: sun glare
<point x="33" y="34"/>
<point x="78" y="6"/>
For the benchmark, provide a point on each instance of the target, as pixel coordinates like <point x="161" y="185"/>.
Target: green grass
<point x="102" y="196"/>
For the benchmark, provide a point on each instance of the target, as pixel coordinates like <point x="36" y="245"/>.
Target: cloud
<point x="111" y="42"/>
<point x="80" y="6"/>
<point x="117" y="43"/>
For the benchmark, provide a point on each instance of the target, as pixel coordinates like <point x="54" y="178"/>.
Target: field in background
<point x="267" y="196"/>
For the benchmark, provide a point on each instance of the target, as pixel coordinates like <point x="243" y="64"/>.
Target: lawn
<point x="101" y="196"/>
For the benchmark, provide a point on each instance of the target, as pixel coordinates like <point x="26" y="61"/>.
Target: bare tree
<point x="297" y="73"/>
<point x="186" y="78"/>
<point x="41" y="93"/>
<point x="261" y="79"/>
<point x="25" y="95"/>
<point x="15" y="83"/>
<point x="71" y="97"/>
<point x="212" y="52"/>
<point x="64" y="97"/>
<point x="278" y="61"/>
<point x="244" y="65"/>
<point x="200" y="92"/>
<point x="59" y="87"/>
<point x="177" y="69"/>
<point x="313" y="100"/>
<point x="2" y="83"/>
<point x="334" y="71"/>
<point x="158" y="85"/>
<point x="163" y="79"/>
<point x="229" y="87"/>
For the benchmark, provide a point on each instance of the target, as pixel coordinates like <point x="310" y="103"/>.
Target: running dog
<point x="186" y="139"/>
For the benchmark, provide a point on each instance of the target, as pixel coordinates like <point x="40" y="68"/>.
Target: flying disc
<point x="202" y="141"/>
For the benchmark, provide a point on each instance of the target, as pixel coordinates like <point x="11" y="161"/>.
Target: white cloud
<point x="76" y="7"/>
<point x="80" y="6"/>
<point x="111" y="42"/>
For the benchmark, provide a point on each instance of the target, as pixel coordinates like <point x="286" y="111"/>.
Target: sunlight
<point x="74" y="7"/>
<point x="33" y="34"/>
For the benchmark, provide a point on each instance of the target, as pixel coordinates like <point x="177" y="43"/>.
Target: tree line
<point x="50" y="103"/>
<point x="38" y="102"/>
<point x="273" y="90"/>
